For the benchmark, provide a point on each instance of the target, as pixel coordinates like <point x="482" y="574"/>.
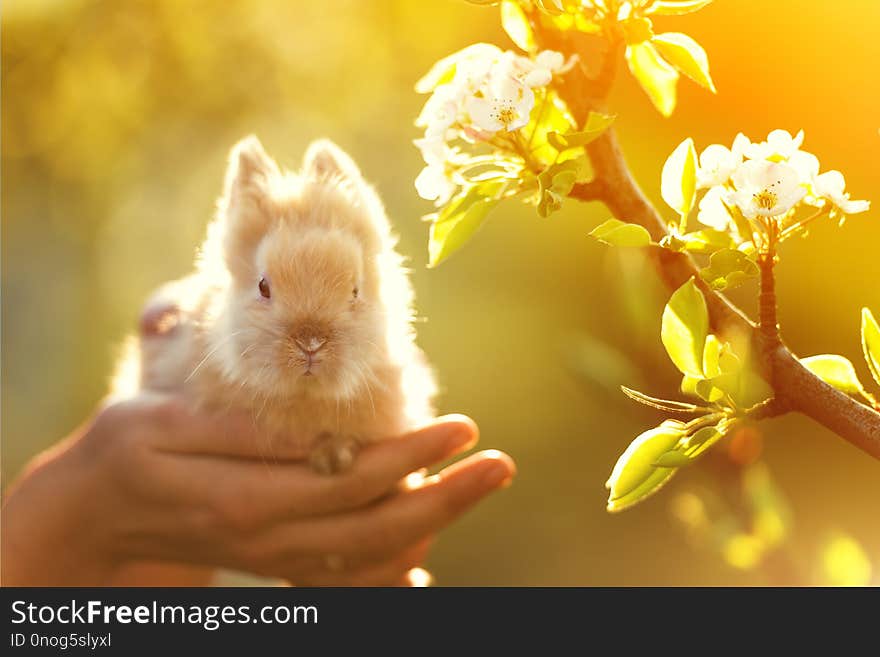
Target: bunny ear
<point x="323" y="158"/>
<point x="248" y="180"/>
<point x="249" y="168"/>
<point x="245" y="209"/>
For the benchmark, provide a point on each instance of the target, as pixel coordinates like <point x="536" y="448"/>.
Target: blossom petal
<point x="854" y="207"/>
<point x="440" y="72"/>
<point x="441" y="110"/>
<point x="830" y="184"/>
<point x="550" y="59"/>
<point x="526" y="103"/>
<point x="761" y="174"/>
<point x="434" y="151"/>
<point x="743" y="200"/>
<point x="716" y="165"/>
<point x="786" y="201"/>
<point x="483" y="114"/>
<point x="540" y="77"/>
<point x="713" y="213"/>
<point x="806" y="165"/>
<point x="740" y="144"/>
<point x="431" y="183"/>
<point x="780" y="145"/>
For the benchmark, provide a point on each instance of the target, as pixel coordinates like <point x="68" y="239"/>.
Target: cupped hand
<point x="150" y="480"/>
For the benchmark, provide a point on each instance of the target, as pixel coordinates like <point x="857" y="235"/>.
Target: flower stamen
<point x="507" y="116"/>
<point x="765" y="199"/>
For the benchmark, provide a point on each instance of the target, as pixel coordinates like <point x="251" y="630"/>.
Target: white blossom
<point x="481" y="90"/>
<point x="475" y="93"/>
<point x="806" y="165"/>
<point x="440" y="111"/>
<point x="717" y="162"/>
<point x="505" y="104"/>
<point x="780" y="146"/>
<point x="765" y="188"/>
<point x="830" y="185"/>
<point x="540" y="71"/>
<point x="434" y="182"/>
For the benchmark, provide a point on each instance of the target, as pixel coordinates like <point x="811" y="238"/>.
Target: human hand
<point x="149" y="479"/>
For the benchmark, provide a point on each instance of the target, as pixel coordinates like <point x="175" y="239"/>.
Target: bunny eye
<point x="354" y="292"/>
<point x="264" y="288"/>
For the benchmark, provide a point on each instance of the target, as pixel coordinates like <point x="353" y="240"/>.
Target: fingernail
<point x="498" y="475"/>
<point x="461" y="437"/>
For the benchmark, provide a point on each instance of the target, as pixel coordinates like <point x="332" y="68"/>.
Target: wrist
<point x="50" y="534"/>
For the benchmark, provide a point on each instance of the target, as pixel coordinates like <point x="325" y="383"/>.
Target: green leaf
<point x="459" y="220"/>
<point x="684" y="328"/>
<point x="722" y="370"/>
<point x="753" y="389"/>
<point x="704" y="242"/>
<point x="676" y="8"/>
<point x="696" y="444"/>
<point x="635" y="476"/>
<point x="678" y="180"/>
<point x="689" y="384"/>
<point x="554" y="184"/>
<point x="619" y="233"/>
<point x="489" y="167"/>
<point x="661" y="404"/>
<point x="836" y="371"/>
<point x="718" y="358"/>
<point x="549" y="203"/>
<point x="687" y="56"/>
<point x="657" y="77"/>
<point x="597" y="123"/>
<point x="515" y="23"/>
<point x="707" y="241"/>
<point x="702" y="439"/>
<point x="706" y="390"/>
<point x="871" y="343"/>
<point x="728" y="373"/>
<point x="743" y="226"/>
<point x="672" y="459"/>
<point x="550" y="115"/>
<point x="728" y="268"/>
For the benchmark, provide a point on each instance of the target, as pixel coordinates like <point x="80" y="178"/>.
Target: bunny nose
<point x="310" y="345"/>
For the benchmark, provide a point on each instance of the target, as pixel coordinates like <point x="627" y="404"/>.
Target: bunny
<point x="299" y="311"/>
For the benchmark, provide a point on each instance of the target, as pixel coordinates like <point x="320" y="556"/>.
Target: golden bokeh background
<point x="117" y="117"/>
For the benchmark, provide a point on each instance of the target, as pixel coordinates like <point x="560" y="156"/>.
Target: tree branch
<point x="595" y="190"/>
<point x="767" y="321"/>
<point x="795" y="387"/>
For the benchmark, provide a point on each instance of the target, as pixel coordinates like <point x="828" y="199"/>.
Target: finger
<point x="388" y="462"/>
<point x="386" y="527"/>
<point x="393" y="572"/>
<point x="249" y="495"/>
<point x="177" y="426"/>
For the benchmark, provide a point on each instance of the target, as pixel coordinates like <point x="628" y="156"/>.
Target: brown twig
<point x="795" y="387"/>
<point x="595" y="190"/>
<point x="767" y="321"/>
